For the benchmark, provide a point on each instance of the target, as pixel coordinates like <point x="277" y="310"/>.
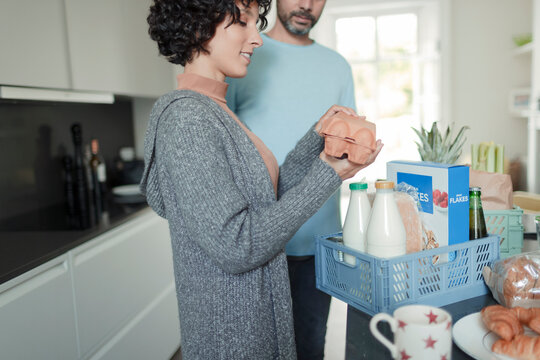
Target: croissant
<point x="534" y="324"/>
<point x="529" y="317"/>
<point x="523" y="347"/>
<point x="501" y="321"/>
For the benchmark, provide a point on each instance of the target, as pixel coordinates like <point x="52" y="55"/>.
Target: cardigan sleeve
<point x="299" y="160"/>
<point x="214" y="207"/>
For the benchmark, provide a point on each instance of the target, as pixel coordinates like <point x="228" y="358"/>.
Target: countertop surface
<point x="26" y="244"/>
<point x="362" y="345"/>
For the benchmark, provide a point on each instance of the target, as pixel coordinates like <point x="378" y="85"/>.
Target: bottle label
<point x="101" y="173"/>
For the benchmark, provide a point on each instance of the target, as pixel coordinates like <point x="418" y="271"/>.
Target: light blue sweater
<point x="287" y="89"/>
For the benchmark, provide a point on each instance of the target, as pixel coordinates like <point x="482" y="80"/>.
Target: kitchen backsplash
<point x="34" y="137"/>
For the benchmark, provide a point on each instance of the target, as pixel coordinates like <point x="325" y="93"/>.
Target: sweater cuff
<point x="322" y="179"/>
<point x="311" y="143"/>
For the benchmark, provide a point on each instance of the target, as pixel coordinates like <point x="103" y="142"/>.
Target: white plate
<point x="471" y="336"/>
<point x="126" y="190"/>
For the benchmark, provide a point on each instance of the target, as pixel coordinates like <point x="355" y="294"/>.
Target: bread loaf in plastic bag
<point x="515" y="281"/>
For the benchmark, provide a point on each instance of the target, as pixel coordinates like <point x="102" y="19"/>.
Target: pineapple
<point x="440" y="148"/>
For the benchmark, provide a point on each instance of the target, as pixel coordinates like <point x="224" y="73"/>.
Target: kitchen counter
<point x="361" y="344"/>
<point x="24" y="247"/>
<point x="105" y="291"/>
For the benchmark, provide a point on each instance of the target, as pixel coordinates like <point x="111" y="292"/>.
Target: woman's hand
<point x="346" y="169"/>
<point x="331" y="112"/>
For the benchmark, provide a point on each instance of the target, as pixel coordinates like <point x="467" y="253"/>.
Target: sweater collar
<point x="212" y="88"/>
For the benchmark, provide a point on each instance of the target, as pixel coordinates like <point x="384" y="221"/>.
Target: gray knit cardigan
<point x="228" y="230"/>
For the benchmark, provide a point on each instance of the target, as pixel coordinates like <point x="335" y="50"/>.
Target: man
<point x="290" y="84"/>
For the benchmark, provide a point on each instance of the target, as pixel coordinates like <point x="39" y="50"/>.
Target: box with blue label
<point x="443" y="192"/>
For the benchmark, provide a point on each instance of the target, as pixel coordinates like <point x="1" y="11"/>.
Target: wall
<point x="479" y="70"/>
<point x="34" y="138"/>
<point x="482" y="70"/>
<point x="141" y="113"/>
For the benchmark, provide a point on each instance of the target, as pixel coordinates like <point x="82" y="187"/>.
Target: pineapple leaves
<point x="437" y="146"/>
<point x="425" y="148"/>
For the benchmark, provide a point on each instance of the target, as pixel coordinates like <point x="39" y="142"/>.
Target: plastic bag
<point x="515" y="281"/>
<point x="411" y="190"/>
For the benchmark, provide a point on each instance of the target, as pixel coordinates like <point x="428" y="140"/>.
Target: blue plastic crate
<point x="508" y="225"/>
<point x="376" y="285"/>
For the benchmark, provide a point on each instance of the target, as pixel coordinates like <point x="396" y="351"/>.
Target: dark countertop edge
<point x="84" y="237"/>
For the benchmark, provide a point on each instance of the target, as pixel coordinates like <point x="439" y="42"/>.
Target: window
<point x="394" y="57"/>
<point x="382" y="51"/>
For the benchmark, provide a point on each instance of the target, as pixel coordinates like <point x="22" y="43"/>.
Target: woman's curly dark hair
<point x="182" y="27"/>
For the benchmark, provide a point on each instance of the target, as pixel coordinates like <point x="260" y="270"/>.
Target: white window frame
<point x="324" y="33"/>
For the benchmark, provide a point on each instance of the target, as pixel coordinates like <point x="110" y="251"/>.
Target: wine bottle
<point x="89" y="185"/>
<point x="477" y="222"/>
<point x="99" y="178"/>
<point x="69" y="189"/>
<point x="79" y="174"/>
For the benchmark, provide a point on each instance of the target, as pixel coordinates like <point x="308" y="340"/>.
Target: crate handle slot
<point x="441" y="263"/>
<point x="339" y="251"/>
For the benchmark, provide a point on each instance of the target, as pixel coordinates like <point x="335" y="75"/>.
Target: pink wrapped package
<point x="411" y="220"/>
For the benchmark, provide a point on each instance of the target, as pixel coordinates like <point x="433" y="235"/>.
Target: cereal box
<point x="443" y="191"/>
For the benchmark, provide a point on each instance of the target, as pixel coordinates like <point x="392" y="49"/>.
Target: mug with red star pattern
<point x="420" y="332"/>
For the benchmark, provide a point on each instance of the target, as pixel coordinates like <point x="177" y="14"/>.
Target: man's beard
<point x="287" y="23"/>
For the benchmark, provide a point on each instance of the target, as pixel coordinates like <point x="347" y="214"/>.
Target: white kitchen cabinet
<point x="110" y="49"/>
<point x="116" y="276"/>
<point x="153" y="334"/>
<point x="112" y="297"/>
<point x="33" y="44"/>
<point x="37" y="317"/>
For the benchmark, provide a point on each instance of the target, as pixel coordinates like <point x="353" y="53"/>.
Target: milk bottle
<point x="356" y="220"/>
<point x="386" y="235"/>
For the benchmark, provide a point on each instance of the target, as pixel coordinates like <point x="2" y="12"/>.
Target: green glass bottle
<point x="477" y="222"/>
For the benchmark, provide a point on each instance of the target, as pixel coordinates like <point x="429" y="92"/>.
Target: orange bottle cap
<point x="384" y="185"/>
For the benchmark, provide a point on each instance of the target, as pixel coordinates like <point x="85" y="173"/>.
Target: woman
<point x="230" y="209"/>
